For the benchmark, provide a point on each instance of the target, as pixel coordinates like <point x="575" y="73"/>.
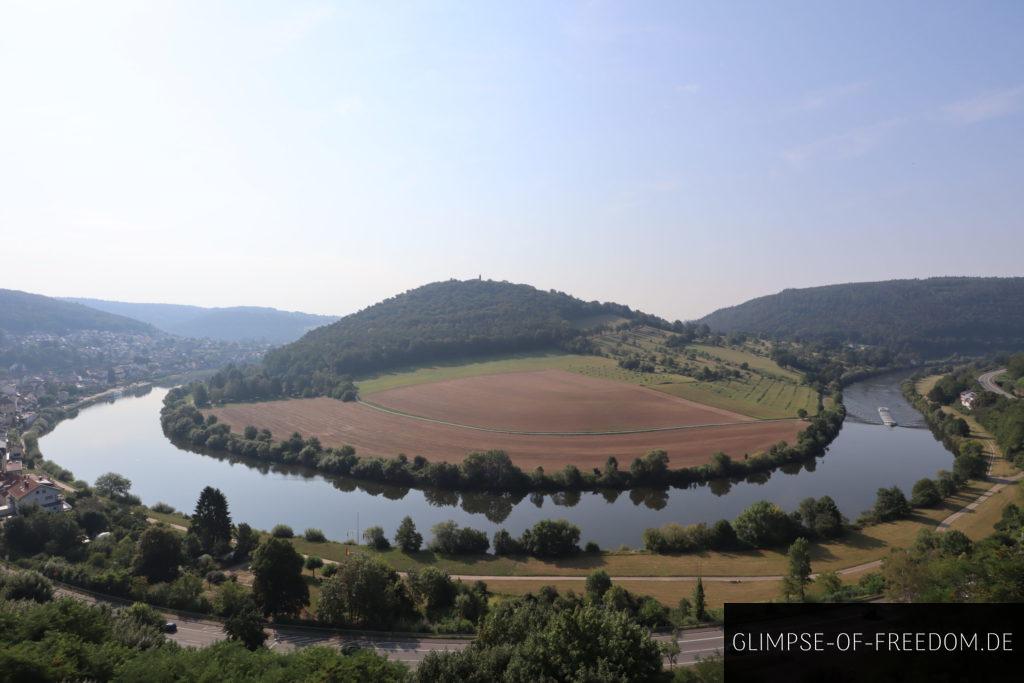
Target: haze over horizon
<point x="321" y="157"/>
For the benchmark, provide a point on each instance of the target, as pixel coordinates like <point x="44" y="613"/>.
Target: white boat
<point x="886" y="416"/>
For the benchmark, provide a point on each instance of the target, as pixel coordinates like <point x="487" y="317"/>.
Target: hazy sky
<point x="672" y="156"/>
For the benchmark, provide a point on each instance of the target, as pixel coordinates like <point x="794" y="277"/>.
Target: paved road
<point x="988" y="381"/>
<point x="196" y="631"/>
<point x="694" y="644"/>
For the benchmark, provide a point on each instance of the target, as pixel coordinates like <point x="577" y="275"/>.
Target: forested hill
<point x="439" y="321"/>
<point x="237" y="323"/>
<point x="24" y="313"/>
<point x="933" y="316"/>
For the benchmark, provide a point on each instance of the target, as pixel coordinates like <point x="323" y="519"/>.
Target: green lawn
<point x="764" y="398"/>
<point x="592" y="366"/>
<point x="485" y="366"/>
<point x="765" y="390"/>
<point x="738" y="357"/>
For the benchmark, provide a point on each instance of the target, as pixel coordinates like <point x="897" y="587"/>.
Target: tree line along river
<point x="125" y="437"/>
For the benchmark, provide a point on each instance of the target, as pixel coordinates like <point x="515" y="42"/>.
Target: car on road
<point x="169" y="627"/>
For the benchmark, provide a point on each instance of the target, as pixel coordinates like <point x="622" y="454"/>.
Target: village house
<point x="967" y="399"/>
<point x="19" y="490"/>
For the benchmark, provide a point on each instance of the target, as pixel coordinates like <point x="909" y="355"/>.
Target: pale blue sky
<point x="675" y="157"/>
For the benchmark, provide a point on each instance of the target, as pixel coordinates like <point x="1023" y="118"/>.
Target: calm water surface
<point x="125" y="437"/>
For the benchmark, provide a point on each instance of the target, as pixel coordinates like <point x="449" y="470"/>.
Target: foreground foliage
<point x="551" y="637"/>
<point x="70" y="640"/>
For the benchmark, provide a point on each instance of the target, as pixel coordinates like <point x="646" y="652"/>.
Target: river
<point x="125" y="437"/>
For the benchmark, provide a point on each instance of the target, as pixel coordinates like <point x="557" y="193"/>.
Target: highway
<point x="988" y="381"/>
<point x="694" y="644"/>
<point x="198" y="631"/>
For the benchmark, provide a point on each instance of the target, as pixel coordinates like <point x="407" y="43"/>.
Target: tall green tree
<point x="364" y="592"/>
<point x="246" y="626"/>
<point x="700" y="605"/>
<point x="407" y="538"/>
<point x="598" y="583"/>
<point x="211" y="522"/>
<point x="434" y="589"/>
<point x="158" y="555"/>
<point x="278" y="587"/>
<point x="245" y="540"/>
<point x="113" y="485"/>
<point x="794" y="584"/>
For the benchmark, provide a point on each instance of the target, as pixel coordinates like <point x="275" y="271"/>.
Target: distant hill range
<point x="24" y="313"/>
<point x="440" y="321"/>
<point x="933" y="316"/>
<point x="237" y="323"/>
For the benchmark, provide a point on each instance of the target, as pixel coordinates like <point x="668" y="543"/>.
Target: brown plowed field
<point x="373" y="432"/>
<point x="549" y="401"/>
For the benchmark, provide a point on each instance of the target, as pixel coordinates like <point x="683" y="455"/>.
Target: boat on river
<point x="886" y="416"/>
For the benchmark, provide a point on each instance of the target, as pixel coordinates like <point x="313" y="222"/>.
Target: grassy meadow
<point x="763" y="389"/>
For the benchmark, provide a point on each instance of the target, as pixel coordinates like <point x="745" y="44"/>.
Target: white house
<point x="967" y="399"/>
<point x="18" y="490"/>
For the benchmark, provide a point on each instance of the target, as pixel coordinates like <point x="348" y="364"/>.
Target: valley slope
<point x="236" y="323"/>
<point x="933" y="316"/>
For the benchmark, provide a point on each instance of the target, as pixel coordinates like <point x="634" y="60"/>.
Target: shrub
<point x="821" y="517"/>
<point x="216" y="577"/>
<point x="375" y="538"/>
<point x="282" y="531"/>
<point x="449" y="539"/>
<point x="592" y="547"/>
<point x="162" y="508"/>
<point x="970" y="464"/>
<point x="763" y="525"/>
<point x="947" y="483"/>
<point x="723" y="536"/>
<point x="26" y="586"/>
<point x="925" y="494"/>
<point x="871" y="584"/>
<point x="314" y="535"/>
<point x="551" y="538"/>
<point x="954" y="543"/>
<point x="890" y="504"/>
<point x="505" y="544"/>
<point x="598" y="583"/>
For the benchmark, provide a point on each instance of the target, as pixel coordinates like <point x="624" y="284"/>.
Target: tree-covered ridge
<point x="24" y="313"/>
<point x="235" y="323"/>
<point x="439" y="321"/>
<point x="932" y="316"/>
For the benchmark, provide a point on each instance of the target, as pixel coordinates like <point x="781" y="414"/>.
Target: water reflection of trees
<point x="655" y="499"/>
<point x="441" y="498"/>
<point x="495" y="507"/>
<point x="498" y="507"/>
<point x="566" y="499"/>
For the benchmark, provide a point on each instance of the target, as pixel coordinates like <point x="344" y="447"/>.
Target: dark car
<point x="170" y="627"/>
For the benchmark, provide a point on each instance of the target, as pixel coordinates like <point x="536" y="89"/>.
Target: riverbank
<point x="728" y="576"/>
